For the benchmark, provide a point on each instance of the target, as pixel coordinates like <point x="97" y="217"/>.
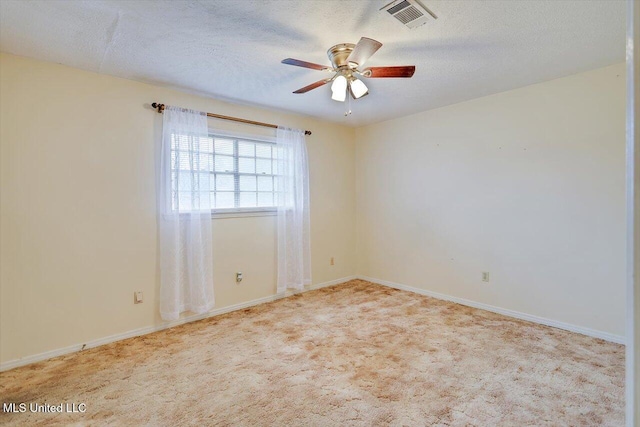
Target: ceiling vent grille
<point x="410" y="12"/>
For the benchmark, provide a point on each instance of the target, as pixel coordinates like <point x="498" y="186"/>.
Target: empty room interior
<point x="313" y="213"/>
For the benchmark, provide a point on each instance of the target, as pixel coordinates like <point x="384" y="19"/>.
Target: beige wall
<point x="527" y="184"/>
<point x="78" y="213"/>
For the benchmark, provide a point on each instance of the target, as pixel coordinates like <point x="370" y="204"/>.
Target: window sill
<point x="243" y="213"/>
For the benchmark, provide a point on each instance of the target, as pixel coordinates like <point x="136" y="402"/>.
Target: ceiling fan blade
<point x="313" y="86"/>
<point x="305" y="64"/>
<point x="363" y="50"/>
<point x="397" y="71"/>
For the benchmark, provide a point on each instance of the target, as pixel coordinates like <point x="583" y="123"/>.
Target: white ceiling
<point x="232" y="49"/>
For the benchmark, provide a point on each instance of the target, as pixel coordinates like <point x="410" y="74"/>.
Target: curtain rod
<point x="160" y="108"/>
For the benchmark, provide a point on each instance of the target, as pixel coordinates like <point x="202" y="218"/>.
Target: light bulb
<point x="358" y="88"/>
<point x="339" y="89"/>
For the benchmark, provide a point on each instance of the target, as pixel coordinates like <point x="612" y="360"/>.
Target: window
<point x="242" y="172"/>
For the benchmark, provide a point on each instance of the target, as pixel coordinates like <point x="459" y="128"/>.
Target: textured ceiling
<point x="232" y="49"/>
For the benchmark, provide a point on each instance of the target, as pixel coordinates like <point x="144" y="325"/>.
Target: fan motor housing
<point x="339" y="53"/>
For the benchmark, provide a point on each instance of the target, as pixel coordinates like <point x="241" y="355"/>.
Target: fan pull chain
<point x="348" y="112"/>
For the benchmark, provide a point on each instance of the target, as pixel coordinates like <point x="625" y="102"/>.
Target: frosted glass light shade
<point x="339" y="96"/>
<point x="358" y="88"/>
<point x="339" y="89"/>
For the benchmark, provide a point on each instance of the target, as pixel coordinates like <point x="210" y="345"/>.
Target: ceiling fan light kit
<point x="346" y="62"/>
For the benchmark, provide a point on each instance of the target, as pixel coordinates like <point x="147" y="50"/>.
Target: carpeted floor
<point x="352" y="354"/>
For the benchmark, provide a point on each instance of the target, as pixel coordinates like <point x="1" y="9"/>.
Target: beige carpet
<point x="353" y="354"/>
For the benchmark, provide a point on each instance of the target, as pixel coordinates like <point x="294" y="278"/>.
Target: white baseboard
<point x="318" y="286"/>
<point x="511" y="313"/>
<point x="155" y="328"/>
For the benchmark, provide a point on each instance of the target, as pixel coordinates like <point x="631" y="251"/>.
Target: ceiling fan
<point x="347" y="60"/>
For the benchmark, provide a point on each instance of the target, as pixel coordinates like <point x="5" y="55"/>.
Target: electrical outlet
<point x="485" y="276"/>
<point x="331" y="262"/>
<point x="137" y="297"/>
<point x="239" y="276"/>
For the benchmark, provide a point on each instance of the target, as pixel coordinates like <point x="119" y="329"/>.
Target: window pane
<point x="247" y="183"/>
<point x="206" y="145"/>
<point x="183" y="182"/>
<point x="263" y="150"/>
<point x="203" y="181"/>
<point x="181" y="160"/>
<point x="248" y="200"/>
<point x="247" y="165"/>
<point x="224" y="199"/>
<point x="278" y="199"/>
<point x="203" y="162"/>
<point x="184" y="200"/>
<point x="277" y="183"/>
<point x="224" y="163"/>
<point x="265" y="199"/>
<point x="224" y="146"/>
<point x="185" y="161"/>
<point x="263" y="166"/>
<point x="174" y="181"/>
<point x="265" y="183"/>
<point x="183" y="142"/>
<point x="187" y="182"/>
<point x="246" y="149"/>
<point x="225" y="183"/>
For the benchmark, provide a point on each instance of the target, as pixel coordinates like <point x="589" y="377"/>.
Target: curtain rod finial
<point x="159" y="107"/>
<point x="307" y="132"/>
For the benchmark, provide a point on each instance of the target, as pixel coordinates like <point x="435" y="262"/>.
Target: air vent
<point x="410" y="12"/>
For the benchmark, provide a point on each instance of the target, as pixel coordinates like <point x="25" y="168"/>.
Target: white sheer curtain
<point x="294" y="248"/>
<point x="184" y="214"/>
